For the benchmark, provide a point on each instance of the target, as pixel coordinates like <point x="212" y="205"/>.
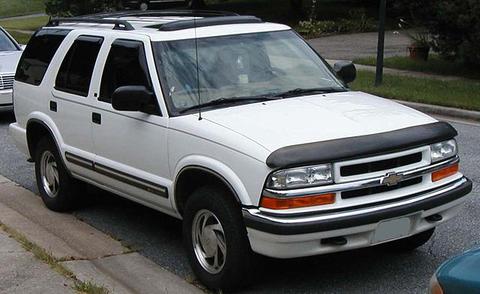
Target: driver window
<point x="126" y="66"/>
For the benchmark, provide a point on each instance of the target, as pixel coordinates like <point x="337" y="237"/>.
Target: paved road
<point x="351" y="46"/>
<point x="363" y="271"/>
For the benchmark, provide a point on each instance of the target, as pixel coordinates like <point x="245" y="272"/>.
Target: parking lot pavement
<point x="158" y="237"/>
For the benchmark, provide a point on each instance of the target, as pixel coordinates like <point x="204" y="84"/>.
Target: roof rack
<point x="163" y="13"/>
<point x="209" y="18"/>
<point x="206" y="22"/>
<point x="118" y="24"/>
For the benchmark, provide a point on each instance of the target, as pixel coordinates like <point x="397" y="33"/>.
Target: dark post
<point x="381" y="42"/>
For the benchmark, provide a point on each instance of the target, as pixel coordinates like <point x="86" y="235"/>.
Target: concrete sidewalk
<point x="89" y="254"/>
<point x="23" y="16"/>
<point x="21" y="272"/>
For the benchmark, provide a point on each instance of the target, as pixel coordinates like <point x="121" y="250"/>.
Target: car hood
<point x="9" y="61"/>
<point x="280" y="123"/>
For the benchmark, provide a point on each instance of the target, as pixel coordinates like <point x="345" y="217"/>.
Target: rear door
<point x="72" y="98"/>
<point x="131" y="147"/>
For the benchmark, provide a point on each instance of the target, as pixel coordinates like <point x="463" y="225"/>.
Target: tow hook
<point x="434" y="218"/>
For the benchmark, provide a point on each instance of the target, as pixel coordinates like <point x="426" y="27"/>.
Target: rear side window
<point x="126" y="66"/>
<point x="37" y="56"/>
<point x="76" y="70"/>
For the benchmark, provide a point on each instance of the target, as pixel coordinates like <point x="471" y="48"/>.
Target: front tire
<point x="410" y="243"/>
<point x="215" y="239"/>
<point x="58" y="190"/>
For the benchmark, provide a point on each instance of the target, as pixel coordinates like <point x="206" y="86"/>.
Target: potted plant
<point x="420" y="46"/>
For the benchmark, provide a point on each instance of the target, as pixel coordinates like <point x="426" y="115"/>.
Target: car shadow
<point x="7" y="117"/>
<point x="159" y="238"/>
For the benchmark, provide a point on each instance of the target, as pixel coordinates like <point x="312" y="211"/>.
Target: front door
<point x="130" y="147"/>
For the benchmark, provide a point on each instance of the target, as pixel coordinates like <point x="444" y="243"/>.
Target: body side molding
<point x="118" y="175"/>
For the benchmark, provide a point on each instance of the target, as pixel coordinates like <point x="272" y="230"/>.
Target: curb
<point x="443" y="111"/>
<point x="404" y="73"/>
<point x="91" y="255"/>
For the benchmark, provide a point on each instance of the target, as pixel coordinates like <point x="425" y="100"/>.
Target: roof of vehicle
<point x="170" y="24"/>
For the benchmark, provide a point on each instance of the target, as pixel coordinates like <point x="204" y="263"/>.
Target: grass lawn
<point x="21" y="38"/>
<point x="20" y="7"/>
<point x="459" y="94"/>
<point x="434" y="65"/>
<point x="26" y="24"/>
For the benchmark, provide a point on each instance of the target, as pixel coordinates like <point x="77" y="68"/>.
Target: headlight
<point x="301" y="177"/>
<point x="443" y="150"/>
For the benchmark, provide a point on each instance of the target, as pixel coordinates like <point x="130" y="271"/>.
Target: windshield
<point x="236" y="66"/>
<point x="6" y="43"/>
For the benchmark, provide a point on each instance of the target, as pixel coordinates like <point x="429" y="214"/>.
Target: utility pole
<point x="381" y="42"/>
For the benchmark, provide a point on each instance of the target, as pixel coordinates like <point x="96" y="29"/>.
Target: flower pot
<point x="419" y="52"/>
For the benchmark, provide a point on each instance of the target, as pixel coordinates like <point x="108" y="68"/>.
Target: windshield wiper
<point x="232" y="100"/>
<point x="303" y="91"/>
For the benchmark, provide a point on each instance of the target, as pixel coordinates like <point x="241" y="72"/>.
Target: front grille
<point x="6" y="82"/>
<point x="374" y="166"/>
<point x="380" y="189"/>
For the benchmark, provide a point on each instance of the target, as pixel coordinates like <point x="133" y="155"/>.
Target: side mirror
<point x="346" y="71"/>
<point x="134" y="98"/>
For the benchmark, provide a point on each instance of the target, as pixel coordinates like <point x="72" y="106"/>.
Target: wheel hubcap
<point x="209" y="241"/>
<point x="49" y="174"/>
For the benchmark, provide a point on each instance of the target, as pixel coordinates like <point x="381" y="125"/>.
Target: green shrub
<point x="316" y="27"/>
<point x="454" y="26"/>
<point x="356" y="22"/>
<point x="78" y="7"/>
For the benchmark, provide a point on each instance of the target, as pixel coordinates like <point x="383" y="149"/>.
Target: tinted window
<point x="38" y="55"/>
<point x="76" y="70"/>
<point x="126" y="66"/>
<point x="6" y="44"/>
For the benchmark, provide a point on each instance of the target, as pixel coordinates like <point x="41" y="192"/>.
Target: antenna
<point x="198" y="73"/>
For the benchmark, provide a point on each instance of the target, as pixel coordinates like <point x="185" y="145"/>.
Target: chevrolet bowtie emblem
<point x="391" y="179"/>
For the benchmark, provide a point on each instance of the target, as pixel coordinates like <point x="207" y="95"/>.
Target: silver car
<point x="10" y="53"/>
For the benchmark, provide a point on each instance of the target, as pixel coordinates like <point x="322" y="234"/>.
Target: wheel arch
<point x="194" y="175"/>
<point x="37" y="128"/>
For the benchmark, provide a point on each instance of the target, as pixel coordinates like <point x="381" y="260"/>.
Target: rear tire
<point x="410" y="243"/>
<point x="215" y="239"/>
<point x="58" y="190"/>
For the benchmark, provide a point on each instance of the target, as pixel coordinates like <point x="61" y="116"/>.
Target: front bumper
<point x="286" y="237"/>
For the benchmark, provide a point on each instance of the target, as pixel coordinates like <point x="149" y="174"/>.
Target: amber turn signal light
<point x="297" y="202"/>
<point x="444" y="172"/>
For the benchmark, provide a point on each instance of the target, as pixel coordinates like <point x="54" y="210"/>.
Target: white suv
<point x="237" y="127"/>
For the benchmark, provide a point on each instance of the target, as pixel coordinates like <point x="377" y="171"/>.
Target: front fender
<point x="217" y="167"/>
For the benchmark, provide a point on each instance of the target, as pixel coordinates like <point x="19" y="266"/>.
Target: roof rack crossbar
<point x="118" y="24"/>
<point x="206" y="22"/>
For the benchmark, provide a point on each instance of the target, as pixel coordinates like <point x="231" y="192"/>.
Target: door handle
<point x="96" y="118"/>
<point x="53" y="106"/>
